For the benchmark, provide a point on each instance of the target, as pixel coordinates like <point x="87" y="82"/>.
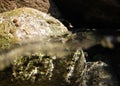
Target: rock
<point x="46" y="6"/>
<point x="95" y="13"/>
<point x="42" y="56"/>
<point x="26" y="24"/>
<point x="97" y="74"/>
<point x="73" y="70"/>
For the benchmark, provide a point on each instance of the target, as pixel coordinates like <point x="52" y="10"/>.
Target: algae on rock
<point x="29" y="23"/>
<point x="73" y="70"/>
<point x="26" y="25"/>
<point x="42" y="57"/>
<point x="48" y="69"/>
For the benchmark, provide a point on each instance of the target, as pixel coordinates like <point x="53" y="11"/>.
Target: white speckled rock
<point x="28" y="23"/>
<point x="25" y="26"/>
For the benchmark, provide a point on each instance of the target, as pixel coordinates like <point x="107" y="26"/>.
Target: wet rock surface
<point x="73" y="70"/>
<point x="26" y="24"/>
<point x="36" y="49"/>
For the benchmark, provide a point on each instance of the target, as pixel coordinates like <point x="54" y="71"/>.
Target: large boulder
<point x="95" y="13"/>
<point x="27" y="24"/>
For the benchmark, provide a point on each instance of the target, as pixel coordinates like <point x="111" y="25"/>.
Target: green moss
<point x="41" y="67"/>
<point x="51" y="26"/>
<point x="6" y="41"/>
<point x="35" y="67"/>
<point x="7" y="38"/>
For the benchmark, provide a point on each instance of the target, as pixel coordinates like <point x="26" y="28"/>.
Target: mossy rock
<point x="47" y="62"/>
<point x="25" y="24"/>
<point x="43" y="70"/>
<point x="72" y="70"/>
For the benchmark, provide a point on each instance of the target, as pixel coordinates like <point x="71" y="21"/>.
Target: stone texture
<point x="46" y="6"/>
<point x="73" y="70"/>
<point x="50" y="61"/>
<point x="27" y="23"/>
<point x="95" y="13"/>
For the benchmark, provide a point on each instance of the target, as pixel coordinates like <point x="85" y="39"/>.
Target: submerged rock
<point x="33" y="45"/>
<point x="72" y="70"/>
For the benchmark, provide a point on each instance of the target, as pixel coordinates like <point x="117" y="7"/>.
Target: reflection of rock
<point x="92" y="13"/>
<point x="43" y="5"/>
